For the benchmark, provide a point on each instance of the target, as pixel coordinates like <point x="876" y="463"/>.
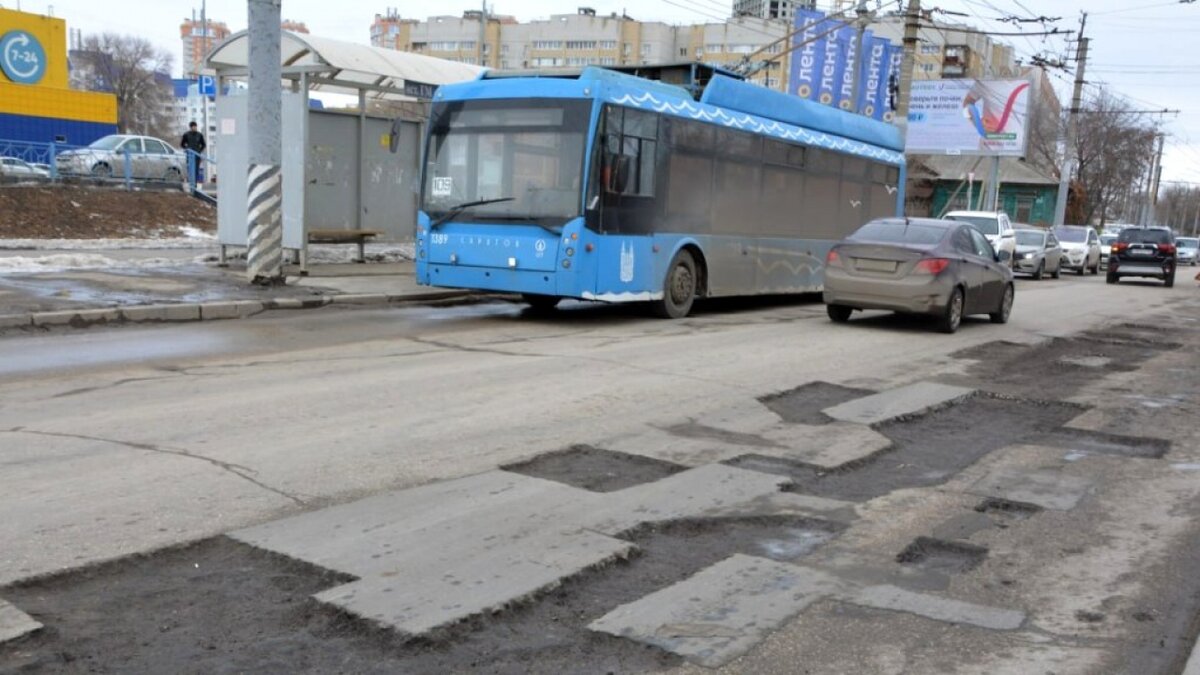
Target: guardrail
<point x="60" y="162"/>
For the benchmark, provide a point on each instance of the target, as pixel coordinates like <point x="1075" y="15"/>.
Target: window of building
<point x="546" y="61"/>
<point x="608" y="61"/>
<point x="607" y="44"/>
<point x="581" y="44"/>
<point x="628" y="49"/>
<point x="928" y="67"/>
<point x="645" y="49"/>
<point x="547" y="44"/>
<point x="714" y="48"/>
<point x="931" y="50"/>
<point x="503" y="50"/>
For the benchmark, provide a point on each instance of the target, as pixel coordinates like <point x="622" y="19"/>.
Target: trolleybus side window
<point x="689" y="175"/>
<point x="735" y="191"/>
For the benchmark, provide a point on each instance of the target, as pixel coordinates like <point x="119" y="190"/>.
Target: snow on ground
<point x="61" y="262"/>
<point x="324" y="253"/>
<point x="201" y="241"/>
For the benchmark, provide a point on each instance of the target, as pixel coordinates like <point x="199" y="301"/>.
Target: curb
<point x="210" y="311"/>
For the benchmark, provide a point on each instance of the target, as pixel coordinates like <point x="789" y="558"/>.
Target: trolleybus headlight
<point x="570" y="252"/>
<point x="566" y="264"/>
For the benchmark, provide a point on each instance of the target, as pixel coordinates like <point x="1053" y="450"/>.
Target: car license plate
<point x="875" y="265"/>
<point x="1139" y="251"/>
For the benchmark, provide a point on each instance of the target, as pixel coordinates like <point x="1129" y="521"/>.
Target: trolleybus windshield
<point x="527" y="154"/>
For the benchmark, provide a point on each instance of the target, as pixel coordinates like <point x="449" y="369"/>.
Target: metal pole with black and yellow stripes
<point x="264" y="185"/>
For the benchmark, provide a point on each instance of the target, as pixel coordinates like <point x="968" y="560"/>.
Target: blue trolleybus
<point x="611" y="187"/>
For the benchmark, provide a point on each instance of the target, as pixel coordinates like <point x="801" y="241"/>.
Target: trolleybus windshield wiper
<point x="457" y="210"/>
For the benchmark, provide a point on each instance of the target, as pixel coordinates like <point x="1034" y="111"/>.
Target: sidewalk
<point x="195" y="291"/>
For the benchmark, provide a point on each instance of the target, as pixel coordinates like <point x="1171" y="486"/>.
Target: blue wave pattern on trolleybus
<point x="616" y="188"/>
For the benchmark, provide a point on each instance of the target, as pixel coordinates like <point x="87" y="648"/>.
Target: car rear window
<point x="1073" y="234"/>
<point x="984" y="224"/>
<point x="895" y="232"/>
<point x="1140" y="236"/>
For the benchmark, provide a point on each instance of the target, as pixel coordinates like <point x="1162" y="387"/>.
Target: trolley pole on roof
<point x="264" y="259"/>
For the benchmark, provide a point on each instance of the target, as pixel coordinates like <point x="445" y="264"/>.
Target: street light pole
<point x="1064" y="178"/>
<point x="265" y="107"/>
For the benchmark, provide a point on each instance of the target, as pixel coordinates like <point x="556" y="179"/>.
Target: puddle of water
<point x="1186" y="466"/>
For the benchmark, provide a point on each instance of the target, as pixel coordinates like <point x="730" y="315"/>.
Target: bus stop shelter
<point x="348" y="174"/>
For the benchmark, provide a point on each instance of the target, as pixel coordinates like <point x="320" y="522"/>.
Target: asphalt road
<point x="122" y="440"/>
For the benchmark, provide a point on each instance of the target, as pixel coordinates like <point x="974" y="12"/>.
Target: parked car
<point x="1038" y="253"/>
<point x="1187" y="250"/>
<point x="19" y="168"/>
<point x="1081" y="248"/>
<point x="994" y="225"/>
<point x="1143" y="252"/>
<point x="149" y="158"/>
<point x="1106" y="242"/>
<point x="943" y="268"/>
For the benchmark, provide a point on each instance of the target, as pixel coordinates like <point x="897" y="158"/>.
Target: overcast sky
<point x="1141" y="49"/>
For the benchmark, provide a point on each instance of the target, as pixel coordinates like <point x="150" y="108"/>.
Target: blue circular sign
<point x="22" y="58"/>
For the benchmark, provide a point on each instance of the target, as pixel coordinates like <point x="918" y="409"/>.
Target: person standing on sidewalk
<point x="194" y="141"/>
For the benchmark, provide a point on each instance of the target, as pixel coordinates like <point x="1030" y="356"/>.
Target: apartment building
<point x="582" y="39"/>
<point x="951" y="51"/>
<point x="781" y="10"/>
<point x="199" y="38"/>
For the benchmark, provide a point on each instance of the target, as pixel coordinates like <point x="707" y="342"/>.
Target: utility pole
<point x="912" y="24"/>
<point x="1149" y="216"/>
<point x="1067" y="168"/>
<point x="861" y="26"/>
<point x="200" y="69"/>
<point x="264" y="186"/>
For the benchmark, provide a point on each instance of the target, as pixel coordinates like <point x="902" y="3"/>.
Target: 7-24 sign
<point x="22" y="58"/>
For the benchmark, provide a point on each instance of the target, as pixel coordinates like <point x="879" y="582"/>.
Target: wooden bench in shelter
<point x="337" y="236"/>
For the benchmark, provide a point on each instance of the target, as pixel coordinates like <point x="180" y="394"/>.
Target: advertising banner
<point x="968" y="117"/>
<point x="833" y="63"/>
<point x="847" y="39"/>
<point x="807" y="61"/>
<point x="895" y="58"/>
<point x="875" y="53"/>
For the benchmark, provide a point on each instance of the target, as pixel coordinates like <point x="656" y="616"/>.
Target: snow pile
<point x="200" y="240"/>
<point x="61" y="262"/>
<point x="318" y="253"/>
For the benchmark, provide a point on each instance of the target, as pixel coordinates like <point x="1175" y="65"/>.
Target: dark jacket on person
<point x="194" y="141"/>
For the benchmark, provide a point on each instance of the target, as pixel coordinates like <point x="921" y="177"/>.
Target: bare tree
<point x="1114" y="149"/>
<point x="136" y="72"/>
<point x="1179" y="208"/>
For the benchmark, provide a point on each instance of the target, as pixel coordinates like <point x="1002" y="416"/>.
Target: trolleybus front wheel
<point x="679" y="287"/>
<point x="540" y="303"/>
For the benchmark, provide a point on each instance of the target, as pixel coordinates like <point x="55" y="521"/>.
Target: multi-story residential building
<point x="777" y="10"/>
<point x="197" y="44"/>
<point x="582" y="39"/>
<point x="950" y="51"/>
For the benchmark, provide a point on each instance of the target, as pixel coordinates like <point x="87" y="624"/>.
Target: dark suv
<point x="1143" y="252"/>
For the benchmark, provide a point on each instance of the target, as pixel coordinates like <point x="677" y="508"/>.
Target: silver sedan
<point x="941" y="268"/>
<point x="1038" y="253"/>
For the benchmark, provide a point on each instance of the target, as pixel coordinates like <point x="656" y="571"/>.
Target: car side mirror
<point x="1001" y="256"/>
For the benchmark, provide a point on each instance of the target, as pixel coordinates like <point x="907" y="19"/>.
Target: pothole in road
<point x="222" y="606"/>
<point x="1007" y="508"/>
<point x="927" y="449"/>
<point x="1083" y="442"/>
<point x="1059" y="367"/>
<point x="595" y="469"/>
<point x="803" y="405"/>
<point x="937" y="555"/>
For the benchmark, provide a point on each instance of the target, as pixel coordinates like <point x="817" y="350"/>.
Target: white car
<point x="1081" y="248"/>
<point x="1106" y="242"/>
<point x="148" y="157"/>
<point x="994" y="225"/>
<point x="19" y="168"/>
<point x="1187" y="250"/>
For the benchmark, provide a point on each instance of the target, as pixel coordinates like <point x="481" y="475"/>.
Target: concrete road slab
<point x="450" y="586"/>
<point x="908" y="400"/>
<point x="1048" y="489"/>
<point x="720" y="612"/>
<point x="828" y="445"/>
<point x="689" y="494"/>
<point x="662" y="444"/>
<point x="14" y="623"/>
<point x="897" y="599"/>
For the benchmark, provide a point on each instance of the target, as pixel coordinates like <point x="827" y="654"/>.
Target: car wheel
<point x="1096" y="268"/>
<point x="540" y="303"/>
<point x="102" y="170"/>
<point x="1169" y="280"/>
<point x="1057" y="273"/>
<point x="1082" y="269"/>
<point x="1041" y="269"/>
<point x="838" y="313"/>
<point x="679" y="288"/>
<point x="1005" y="310"/>
<point x="951" y="317"/>
<point x="174" y="175"/>
<point x="1111" y="277"/>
